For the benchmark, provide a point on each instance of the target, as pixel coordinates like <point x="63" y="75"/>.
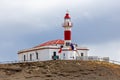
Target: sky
<point x="27" y="23"/>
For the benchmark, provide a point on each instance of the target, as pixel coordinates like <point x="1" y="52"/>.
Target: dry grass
<point x="60" y="70"/>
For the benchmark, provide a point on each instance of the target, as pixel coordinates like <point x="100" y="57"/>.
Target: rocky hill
<point x="60" y="70"/>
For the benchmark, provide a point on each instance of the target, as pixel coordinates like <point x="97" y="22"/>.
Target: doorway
<point x="82" y="54"/>
<point x="55" y="56"/>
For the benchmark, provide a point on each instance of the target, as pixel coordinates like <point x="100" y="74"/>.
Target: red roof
<point x="52" y="42"/>
<point x="67" y="16"/>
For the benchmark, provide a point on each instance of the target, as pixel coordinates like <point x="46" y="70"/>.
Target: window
<point x="67" y="44"/>
<point x="36" y="55"/>
<point x="24" y="58"/>
<point x="63" y="55"/>
<point x="30" y="57"/>
<point x="82" y="54"/>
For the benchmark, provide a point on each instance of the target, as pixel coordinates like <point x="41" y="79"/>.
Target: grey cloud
<point x="99" y="24"/>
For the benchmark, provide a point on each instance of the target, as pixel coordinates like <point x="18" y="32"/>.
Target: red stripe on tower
<point x="67" y="35"/>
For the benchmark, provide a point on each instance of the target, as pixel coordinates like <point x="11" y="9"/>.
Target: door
<point x="55" y="57"/>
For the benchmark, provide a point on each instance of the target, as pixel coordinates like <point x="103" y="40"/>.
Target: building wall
<point x="47" y="54"/>
<point x="71" y="54"/>
<point x="67" y="55"/>
<point x="31" y="56"/>
<point x="84" y="52"/>
<point x="43" y="54"/>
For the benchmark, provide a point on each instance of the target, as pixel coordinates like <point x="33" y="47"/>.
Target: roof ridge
<point x="51" y="42"/>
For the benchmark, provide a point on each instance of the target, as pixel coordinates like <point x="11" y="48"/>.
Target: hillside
<point x="60" y="70"/>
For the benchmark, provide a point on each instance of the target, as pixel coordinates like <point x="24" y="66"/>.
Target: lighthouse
<point x="67" y="29"/>
<point x="57" y="49"/>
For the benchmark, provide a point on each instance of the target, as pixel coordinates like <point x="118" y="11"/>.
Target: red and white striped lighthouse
<point x="67" y="29"/>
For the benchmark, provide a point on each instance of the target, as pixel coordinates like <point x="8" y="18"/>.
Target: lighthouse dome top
<point x="67" y="16"/>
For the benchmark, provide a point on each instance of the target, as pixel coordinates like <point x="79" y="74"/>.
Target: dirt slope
<point x="60" y="70"/>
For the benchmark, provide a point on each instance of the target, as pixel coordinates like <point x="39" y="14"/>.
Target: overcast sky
<point x="27" y="23"/>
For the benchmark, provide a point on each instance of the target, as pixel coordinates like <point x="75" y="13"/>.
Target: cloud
<point x="99" y="23"/>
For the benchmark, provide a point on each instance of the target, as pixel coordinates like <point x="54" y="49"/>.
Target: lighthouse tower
<point x="67" y="29"/>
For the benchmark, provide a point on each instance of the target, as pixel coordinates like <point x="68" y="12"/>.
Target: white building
<point x="55" y="49"/>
